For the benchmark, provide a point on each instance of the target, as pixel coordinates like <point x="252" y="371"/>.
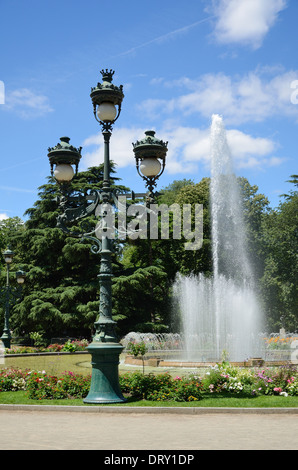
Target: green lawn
<point x="77" y="363"/>
<point x="52" y="364"/>
<point x="210" y="400"/>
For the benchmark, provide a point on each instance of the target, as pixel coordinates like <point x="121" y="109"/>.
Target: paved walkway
<point x="114" y="428"/>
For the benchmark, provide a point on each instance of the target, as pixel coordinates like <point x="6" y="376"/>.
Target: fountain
<point x="221" y="314"/>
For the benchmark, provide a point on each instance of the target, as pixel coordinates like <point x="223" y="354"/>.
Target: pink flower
<point x="292" y="379"/>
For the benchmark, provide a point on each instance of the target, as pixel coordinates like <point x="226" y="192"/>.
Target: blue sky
<point x="178" y="62"/>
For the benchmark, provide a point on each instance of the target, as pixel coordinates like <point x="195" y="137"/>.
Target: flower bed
<point x="69" y="346"/>
<point x="69" y="385"/>
<point x="269" y="381"/>
<point x="220" y="379"/>
<point x="40" y="385"/>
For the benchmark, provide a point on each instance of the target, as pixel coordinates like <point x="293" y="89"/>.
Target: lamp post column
<point x="9" y="295"/>
<point x="105" y="323"/>
<point x="105" y="348"/>
<point x="6" y="336"/>
<point x="106" y="165"/>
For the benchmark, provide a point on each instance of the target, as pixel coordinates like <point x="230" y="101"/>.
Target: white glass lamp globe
<point x="20" y="280"/>
<point x="63" y="172"/>
<point x="150" y="167"/>
<point x="106" y="112"/>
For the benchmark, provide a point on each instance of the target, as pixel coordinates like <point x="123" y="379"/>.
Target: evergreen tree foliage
<point x="145" y="307"/>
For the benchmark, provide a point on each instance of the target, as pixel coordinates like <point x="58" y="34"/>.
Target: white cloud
<point x="27" y="104"/>
<point x="251" y="152"/>
<point x="245" y="21"/>
<point x="121" y="149"/>
<point x="188" y="147"/>
<point x="250" y="98"/>
<point x="3" y="216"/>
<point x="241" y="144"/>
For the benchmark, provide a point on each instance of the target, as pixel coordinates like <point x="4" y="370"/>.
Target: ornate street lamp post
<point x="150" y="156"/>
<point x="9" y="295"/>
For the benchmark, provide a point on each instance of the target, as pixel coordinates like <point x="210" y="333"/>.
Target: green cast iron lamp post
<point x="9" y="295"/>
<point x="150" y="156"/>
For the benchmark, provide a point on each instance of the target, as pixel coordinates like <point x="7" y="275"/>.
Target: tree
<point x="8" y="228"/>
<point x="197" y="261"/>
<point x="135" y="298"/>
<point x="280" y="287"/>
<point x="169" y="194"/>
<point x="255" y="209"/>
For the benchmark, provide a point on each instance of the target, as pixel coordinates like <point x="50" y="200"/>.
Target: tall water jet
<point x="222" y="313"/>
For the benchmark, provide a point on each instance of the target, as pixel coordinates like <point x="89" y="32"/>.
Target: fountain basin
<point x="155" y="361"/>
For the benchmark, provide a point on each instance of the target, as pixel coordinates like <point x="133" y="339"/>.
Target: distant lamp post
<point x="150" y="156"/>
<point x="9" y="295"/>
<point x="8" y="256"/>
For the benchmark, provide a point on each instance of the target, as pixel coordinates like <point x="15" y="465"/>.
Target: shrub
<point x="292" y="386"/>
<point x="38" y="339"/>
<point x="161" y="387"/>
<point x="21" y="350"/>
<point x="69" y="385"/>
<point x="40" y="386"/>
<point x="180" y="389"/>
<point x="75" y="345"/>
<point x="274" y="381"/>
<point x="12" y="380"/>
<point x="69" y="346"/>
<point x="137" y="349"/>
<point x="225" y="378"/>
<point x="75" y="385"/>
<point x="215" y="379"/>
<point x="55" y="347"/>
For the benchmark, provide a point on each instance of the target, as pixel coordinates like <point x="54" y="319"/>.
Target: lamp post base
<point x="105" y="378"/>
<point x="6" y="339"/>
